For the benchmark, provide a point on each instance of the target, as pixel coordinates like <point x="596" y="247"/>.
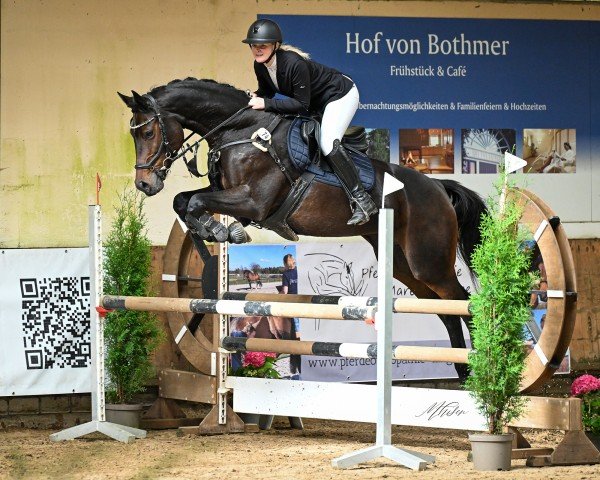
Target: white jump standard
<point x="98" y="423"/>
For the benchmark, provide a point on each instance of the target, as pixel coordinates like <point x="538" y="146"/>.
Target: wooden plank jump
<point x="346" y="350"/>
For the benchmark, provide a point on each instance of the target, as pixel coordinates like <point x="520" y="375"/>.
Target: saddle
<point x="355" y="137"/>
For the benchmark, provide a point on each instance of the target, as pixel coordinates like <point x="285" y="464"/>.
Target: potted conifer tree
<point x="500" y="310"/>
<point x="130" y="336"/>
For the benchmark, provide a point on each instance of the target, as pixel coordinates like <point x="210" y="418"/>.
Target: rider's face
<point x="261" y="52"/>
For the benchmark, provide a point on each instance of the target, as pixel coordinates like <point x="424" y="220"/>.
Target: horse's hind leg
<point x="403" y="273"/>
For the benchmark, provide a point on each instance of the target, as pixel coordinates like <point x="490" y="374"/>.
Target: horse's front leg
<point x="236" y="202"/>
<point x="180" y="205"/>
<point x="235" y="232"/>
<point x="182" y="200"/>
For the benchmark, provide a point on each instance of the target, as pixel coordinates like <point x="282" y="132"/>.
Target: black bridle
<point x="172" y="155"/>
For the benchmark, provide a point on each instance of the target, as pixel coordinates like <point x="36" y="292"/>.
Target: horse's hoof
<point x="216" y="229"/>
<point x="237" y="234"/>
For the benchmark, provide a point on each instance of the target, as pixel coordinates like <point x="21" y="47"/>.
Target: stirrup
<point x="359" y="217"/>
<point x="364" y="208"/>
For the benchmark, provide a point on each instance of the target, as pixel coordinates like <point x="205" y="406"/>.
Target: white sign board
<point x="351" y="269"/>
<point x="44" y="321"/>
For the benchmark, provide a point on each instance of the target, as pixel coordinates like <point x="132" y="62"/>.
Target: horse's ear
<point x="141" y="102"/>
<point x="129" y="101"/>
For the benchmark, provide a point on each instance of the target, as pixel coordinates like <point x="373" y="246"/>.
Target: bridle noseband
<point x="164" y="143"/>
<point x="172" y="155"/>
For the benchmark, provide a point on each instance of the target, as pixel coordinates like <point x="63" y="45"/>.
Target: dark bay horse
<point x="250" y="277"/>
<point x="431" y="217"/>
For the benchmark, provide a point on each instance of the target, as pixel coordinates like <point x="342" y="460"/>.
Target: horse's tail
<point x="469" y="208"/>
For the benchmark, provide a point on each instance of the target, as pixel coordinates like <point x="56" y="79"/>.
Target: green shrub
<point x="130" y="336"/>
<point x="500" y="310"/>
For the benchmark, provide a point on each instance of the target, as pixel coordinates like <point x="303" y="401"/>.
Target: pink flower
<point x="585" y="384"/>
<point x="256" y="359"/>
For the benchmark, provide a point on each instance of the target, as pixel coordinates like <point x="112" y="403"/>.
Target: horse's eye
<point x="149" y="134"/>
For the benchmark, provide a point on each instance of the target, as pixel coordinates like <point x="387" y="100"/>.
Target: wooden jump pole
<point x="346" y="350"/>
<point x="401" y="304"/>
<point x="346" y="308"/>
<point x="239" y="308"/>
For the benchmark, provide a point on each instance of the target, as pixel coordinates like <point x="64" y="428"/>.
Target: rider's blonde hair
<point x="291" y="48"/>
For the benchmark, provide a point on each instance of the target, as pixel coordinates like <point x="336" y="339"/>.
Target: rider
<point x="310" y="87"/>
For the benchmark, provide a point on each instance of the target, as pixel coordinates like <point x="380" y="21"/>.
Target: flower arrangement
<point x="258" y="364"/>
<point x="587" y="387"/>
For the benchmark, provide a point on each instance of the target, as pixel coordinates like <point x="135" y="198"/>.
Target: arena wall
<point x="62" y="63"/>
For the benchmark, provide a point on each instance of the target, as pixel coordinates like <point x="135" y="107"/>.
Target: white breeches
<point x="336" y="119"/>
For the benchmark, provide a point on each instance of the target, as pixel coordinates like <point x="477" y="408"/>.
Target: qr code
<point x="56" y="322"/>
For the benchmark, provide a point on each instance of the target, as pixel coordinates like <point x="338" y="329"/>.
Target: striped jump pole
<point x="346" y="350"/>
<point x="400" y="305"/>
<point x="239" y="308"/>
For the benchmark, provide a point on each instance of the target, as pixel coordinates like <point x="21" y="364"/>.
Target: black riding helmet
<point x="264" y="31"/>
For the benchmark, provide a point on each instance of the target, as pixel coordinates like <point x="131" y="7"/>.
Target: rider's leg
<point x="336" y="118"/>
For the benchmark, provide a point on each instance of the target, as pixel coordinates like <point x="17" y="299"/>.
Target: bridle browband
<point x="172" y="155"/>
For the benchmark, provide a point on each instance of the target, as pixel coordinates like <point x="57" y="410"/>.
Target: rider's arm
<point x="298" y="100"/>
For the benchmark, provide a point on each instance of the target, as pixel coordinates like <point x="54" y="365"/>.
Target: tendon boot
<point x="344" y="168"/>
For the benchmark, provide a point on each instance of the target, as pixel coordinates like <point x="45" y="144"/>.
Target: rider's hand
<point x="257" y="103"/>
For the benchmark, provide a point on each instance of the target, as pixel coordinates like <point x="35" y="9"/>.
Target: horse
<point x="252" y="277"/>
<point x="251" y="178"/>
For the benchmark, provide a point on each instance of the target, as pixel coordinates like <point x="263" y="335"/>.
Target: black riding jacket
<point x="309" y="85"/>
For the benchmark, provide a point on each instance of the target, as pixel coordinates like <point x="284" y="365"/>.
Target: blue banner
<point x="499" y="77"/>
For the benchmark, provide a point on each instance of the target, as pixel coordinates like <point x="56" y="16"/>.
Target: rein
<point x="261" y="139"/>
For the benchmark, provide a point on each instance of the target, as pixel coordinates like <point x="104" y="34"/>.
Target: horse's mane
<point x="192" y="82"/>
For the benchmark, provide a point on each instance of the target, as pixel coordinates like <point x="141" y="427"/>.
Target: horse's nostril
<point x="143" y="186"/>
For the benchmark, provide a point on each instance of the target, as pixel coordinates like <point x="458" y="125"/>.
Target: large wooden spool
<point x="553" y="243"/>
<point x="182" y="268"/>
<point x="182" y="277"/>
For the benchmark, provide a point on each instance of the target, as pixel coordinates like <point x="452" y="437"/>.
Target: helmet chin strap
<point x="272" y="53"/>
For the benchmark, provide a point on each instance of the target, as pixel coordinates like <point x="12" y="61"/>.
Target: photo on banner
<point x="549" y="150"/>
<point x="378" y="144"/>
<point x="260" y="269"/>
<point x="427" y="150"/>
<point x="483" y="148"/>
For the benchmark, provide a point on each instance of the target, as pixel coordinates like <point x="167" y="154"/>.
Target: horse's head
<point x="157" y="136"/>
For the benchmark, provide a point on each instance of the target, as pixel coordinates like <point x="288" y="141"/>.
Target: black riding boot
<point x="345" y="169"/>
